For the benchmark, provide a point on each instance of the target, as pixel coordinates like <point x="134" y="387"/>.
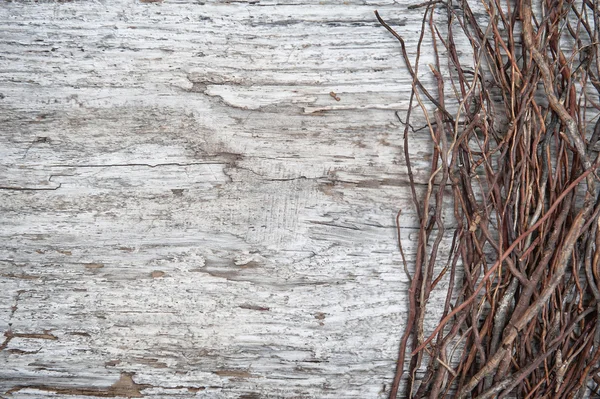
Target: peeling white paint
<point x="187" y="209"/>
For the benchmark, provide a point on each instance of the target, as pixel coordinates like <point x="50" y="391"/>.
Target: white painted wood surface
<point x="186" y="210"/>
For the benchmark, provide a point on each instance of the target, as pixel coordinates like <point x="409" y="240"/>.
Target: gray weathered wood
<point x="187" y="211"/>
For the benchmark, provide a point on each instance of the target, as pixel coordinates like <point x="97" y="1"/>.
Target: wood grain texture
<point x="186" y="209"/>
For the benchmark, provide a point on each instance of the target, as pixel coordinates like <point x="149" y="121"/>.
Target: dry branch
<point x="513" y="132"/>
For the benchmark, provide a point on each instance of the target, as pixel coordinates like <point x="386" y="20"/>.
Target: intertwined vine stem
<point x="514" y="124"/>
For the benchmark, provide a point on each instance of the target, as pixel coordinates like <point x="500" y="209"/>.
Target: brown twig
<point x="522" y="275"/>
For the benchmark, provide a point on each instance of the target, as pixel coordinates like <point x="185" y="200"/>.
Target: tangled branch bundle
<point x="514" y="124"/>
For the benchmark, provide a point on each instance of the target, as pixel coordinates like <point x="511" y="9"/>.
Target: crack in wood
<point x="13" y="188"/>
<point x="117" y="165"/>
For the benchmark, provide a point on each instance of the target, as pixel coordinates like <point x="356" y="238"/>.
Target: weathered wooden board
<point x="186" y="210"/>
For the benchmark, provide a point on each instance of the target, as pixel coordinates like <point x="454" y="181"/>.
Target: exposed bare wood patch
<point x="235" y="374"/>
<point x="124" y="387"/>
<point x="93" y="265"/>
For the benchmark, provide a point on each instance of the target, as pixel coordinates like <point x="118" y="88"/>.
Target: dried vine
<point x="514" y="128"/>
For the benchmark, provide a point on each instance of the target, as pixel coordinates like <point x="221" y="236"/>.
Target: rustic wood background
<point x="187" y="210"/>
